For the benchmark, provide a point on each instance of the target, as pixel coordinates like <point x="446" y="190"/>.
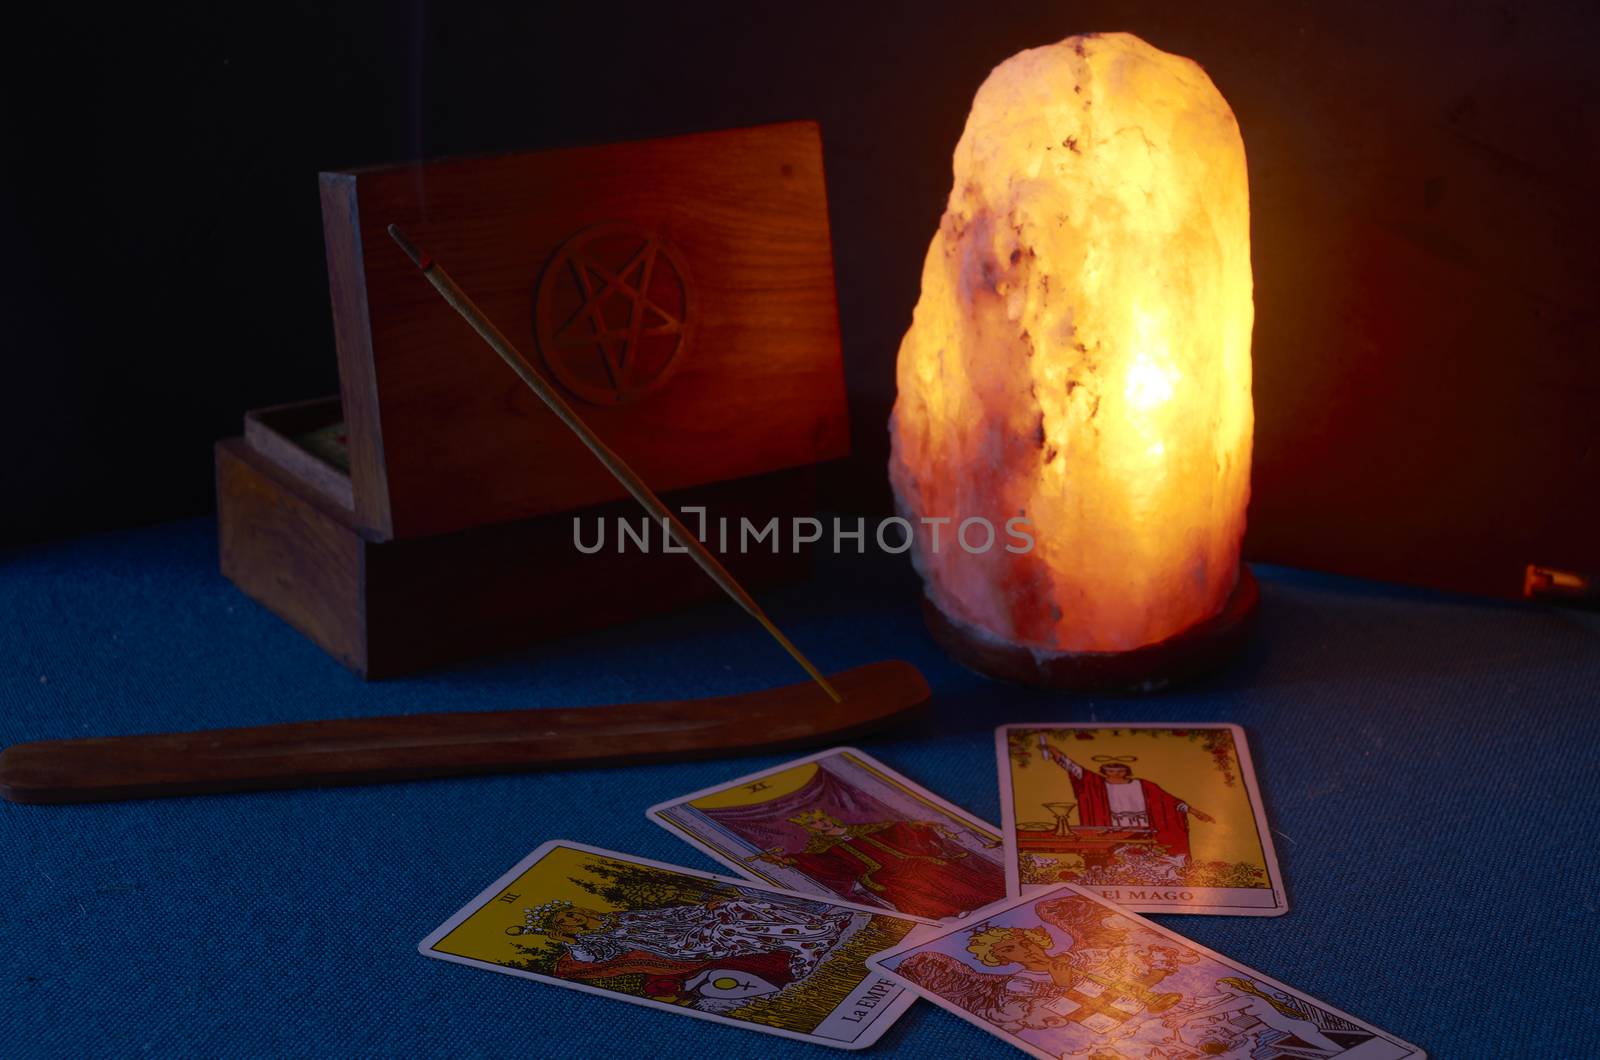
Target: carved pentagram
<point x="612" y="312"/>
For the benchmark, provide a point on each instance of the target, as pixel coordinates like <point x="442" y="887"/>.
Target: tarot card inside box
<point x="309" y="440"/>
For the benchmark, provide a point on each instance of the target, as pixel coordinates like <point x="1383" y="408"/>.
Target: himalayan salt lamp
<point x="1080" y="358"/>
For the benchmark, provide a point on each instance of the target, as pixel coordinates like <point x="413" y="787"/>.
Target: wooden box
<point x="679" y="291"/>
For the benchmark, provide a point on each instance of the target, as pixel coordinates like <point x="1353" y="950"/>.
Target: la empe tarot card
<point x="842" y="824"/>
<point x="1157" y="818"/>
<point x="1064" y="973"/>
<point x="682" y="941"/>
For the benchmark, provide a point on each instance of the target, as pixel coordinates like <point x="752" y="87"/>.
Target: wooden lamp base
<point x="1181" y="657"/>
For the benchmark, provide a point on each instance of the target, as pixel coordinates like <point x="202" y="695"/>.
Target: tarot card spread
<point x="1064" y="973"/>
<point x="1157" y="818"/>
<point x="844" y="825"/>
<point x="707" y="946"/>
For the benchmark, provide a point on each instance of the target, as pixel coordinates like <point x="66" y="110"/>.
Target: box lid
<point x="680" y="291"/>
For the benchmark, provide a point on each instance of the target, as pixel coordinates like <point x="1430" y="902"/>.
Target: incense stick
<point x="624" y="474"/>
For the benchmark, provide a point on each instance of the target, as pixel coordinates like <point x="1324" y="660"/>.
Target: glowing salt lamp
<point x="1080" y="357"/>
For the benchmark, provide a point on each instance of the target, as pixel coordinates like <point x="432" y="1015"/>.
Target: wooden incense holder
<point x="420" y="746"/>
<point x="1183" y="656"/>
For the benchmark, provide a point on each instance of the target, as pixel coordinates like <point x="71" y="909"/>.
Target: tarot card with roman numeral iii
<point x="842" y="824"/>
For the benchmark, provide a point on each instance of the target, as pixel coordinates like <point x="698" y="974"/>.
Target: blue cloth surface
<point x="1428" y="765"/>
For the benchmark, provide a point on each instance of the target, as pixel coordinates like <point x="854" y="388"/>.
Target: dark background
<point x="1426" y="362"/>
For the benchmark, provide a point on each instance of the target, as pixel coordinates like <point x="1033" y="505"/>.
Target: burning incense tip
<point x="418" y="258"/>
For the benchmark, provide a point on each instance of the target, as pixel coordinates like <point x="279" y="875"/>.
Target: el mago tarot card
<point x="1157" y="818"/>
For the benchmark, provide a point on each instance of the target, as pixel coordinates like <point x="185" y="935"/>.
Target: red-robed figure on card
<point x="1115" y="798"/>
<point x="914" y="866"/>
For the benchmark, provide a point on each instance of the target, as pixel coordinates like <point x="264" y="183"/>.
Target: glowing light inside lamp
<point x="1080" y="353"/>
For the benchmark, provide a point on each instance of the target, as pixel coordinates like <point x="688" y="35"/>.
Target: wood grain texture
<point x="375" y="750"/>
<point x="292" y="550"/>
<point x="461" y="443"/>
<point x="388" y="608"/>
<point x="274" y="433"/>
<point x="440" y="599"/>
<point x="352" y="332"/>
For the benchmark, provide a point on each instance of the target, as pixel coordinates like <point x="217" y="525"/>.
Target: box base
<point x="388" y="608"/>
